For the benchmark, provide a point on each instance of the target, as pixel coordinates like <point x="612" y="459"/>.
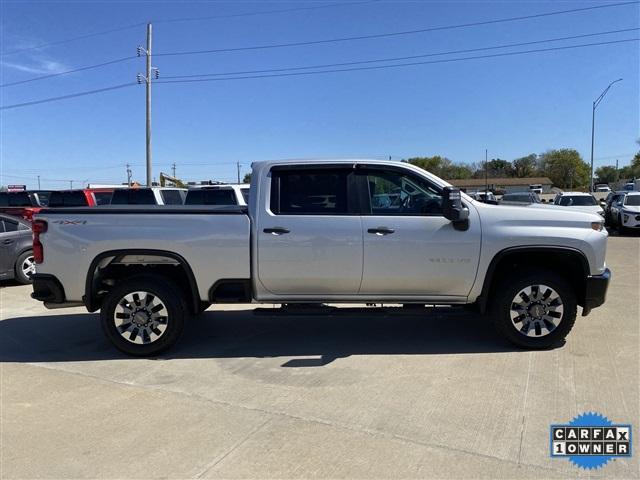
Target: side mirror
<point x="453" y="210"/>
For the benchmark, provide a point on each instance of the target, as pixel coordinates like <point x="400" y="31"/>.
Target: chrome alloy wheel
<point x="28" y="266"/>
<point x="141" y="317"/>
<point x="536" y="310"/>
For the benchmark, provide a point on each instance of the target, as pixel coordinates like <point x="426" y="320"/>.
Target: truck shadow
<point x="78" y="337"/>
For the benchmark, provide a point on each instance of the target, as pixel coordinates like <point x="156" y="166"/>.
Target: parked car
<point x="580" y="201"/>
<point x="611" y="198"/>
<point x="520" y="197"/>
<point x="485" y="197"/>
<point x="233" y="194"/>
<point x="625" y="211"/>
<point x="148" y="196"/>
<point x="19" y="204"/>
<point x="16" y="259"/>
<point x="603" y="188"/>
<point x="313" y="235"/>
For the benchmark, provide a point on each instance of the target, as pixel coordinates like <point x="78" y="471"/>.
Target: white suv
<point x="580" y="201"/>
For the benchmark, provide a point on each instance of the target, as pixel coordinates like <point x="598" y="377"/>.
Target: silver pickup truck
<point x="324" y="231"/>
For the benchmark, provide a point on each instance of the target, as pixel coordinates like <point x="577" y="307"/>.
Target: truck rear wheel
<point x="143" y="316"/>
<point x="534" y="310"/>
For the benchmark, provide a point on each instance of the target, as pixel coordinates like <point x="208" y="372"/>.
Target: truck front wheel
<point x="536" y="309"/>
<point x="143" y="316"/>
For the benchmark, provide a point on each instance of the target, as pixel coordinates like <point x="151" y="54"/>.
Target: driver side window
<point x="397" y="193"/>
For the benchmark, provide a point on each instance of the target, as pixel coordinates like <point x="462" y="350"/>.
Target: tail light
<point x="38" y="227"/>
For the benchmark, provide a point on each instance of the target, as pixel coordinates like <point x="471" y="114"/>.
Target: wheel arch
<point x="93" y="297"/>
<point x="569" y="262"/>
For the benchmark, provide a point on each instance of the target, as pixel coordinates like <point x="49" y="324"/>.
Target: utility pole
<point x="595" y="104"/>
<point x="128" y="175"/>
<point x="71" y="184"/>
<point x="486" y="173"/>
<point x="238" y="166"/>
<point x="150" y="72"/>
<point x="38" y="182"/>
<point x="173" y="169"/>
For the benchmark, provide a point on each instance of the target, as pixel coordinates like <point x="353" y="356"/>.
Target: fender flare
<point x="483" y="298"/>
<point x="89" y="290"/>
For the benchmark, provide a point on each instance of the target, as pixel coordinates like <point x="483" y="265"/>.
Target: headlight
<point x="597" y="226"/>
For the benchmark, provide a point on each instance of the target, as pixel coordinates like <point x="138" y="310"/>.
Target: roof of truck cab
<point x="266" y="164"/>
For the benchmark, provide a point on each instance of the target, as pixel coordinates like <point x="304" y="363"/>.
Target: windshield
<point x="632" y="200"/>
<point x="578" y="201"/>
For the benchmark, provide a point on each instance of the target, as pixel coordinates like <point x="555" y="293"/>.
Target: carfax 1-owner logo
<point x="590" y="440"/>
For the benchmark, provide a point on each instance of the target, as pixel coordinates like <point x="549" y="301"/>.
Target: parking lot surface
<point x="366" y="395"/>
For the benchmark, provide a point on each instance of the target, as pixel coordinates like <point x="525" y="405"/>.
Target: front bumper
<point x="595" y="291"/>
<point x="631" y="219"/>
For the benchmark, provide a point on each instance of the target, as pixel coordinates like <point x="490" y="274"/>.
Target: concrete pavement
<point x="359" y="396"/>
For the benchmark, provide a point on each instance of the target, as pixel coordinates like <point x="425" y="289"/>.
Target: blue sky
<point x="512" y="105"/>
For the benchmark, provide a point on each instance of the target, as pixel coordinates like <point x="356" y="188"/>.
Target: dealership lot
<point x="368" y="395"/>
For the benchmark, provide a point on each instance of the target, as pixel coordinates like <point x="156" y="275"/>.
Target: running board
<point x="297" y="309"/>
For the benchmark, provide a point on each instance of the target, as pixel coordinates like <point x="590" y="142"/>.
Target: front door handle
<point x="276" y="230"/>
<point x="381" y="231"/>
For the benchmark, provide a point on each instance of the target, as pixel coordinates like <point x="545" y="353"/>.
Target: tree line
<point x="564" y="167"/>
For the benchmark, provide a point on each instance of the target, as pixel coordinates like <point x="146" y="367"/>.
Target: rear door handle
<point x="381" y="231"/>
<point x="276" y="230"/>
<point x="7" y="242"/>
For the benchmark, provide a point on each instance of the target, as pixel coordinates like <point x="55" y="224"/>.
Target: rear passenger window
<point x="211" y="196"/>
<point x="133" y="196"/>
<point x="171" y="197"/>
<point x="309" y="192"/>
<point x="10" y="226"/>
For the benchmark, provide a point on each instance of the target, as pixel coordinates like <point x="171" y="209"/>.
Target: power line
<point x="395" y="34"/>
<point x="175" y="20"/>
<point x="79" y="69"/>
<point x="73" y="39"/>
<point x="380" y="67"/>
<point x="264" y="12"/>
<point x="374" y="67"/>
<point x="450" y="52"/>
<point x="65" y="97"/>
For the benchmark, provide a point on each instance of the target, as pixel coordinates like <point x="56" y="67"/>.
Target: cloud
<point x="37" y="63"/>
<point x="40" y="66"/>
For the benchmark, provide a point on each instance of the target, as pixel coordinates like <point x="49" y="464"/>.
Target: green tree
<point x="606" y="174"/>
<point x="247" y="178"/>
<point x="442" y="167"/>
<point x="525" y="166"/>
<point x="631" y="171"/>
<point x="565" y="168"/>
<point x="499" y="168"/>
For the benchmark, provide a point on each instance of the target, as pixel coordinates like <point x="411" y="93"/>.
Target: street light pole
<point x="596" y="102"/>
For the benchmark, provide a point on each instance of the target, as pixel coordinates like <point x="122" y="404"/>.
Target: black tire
<point x="20" y="275"/>
<point x="142" y="339"/>
<point x="501" y="309"/>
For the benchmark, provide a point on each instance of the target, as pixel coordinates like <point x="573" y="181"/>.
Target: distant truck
<point x="316" y="232"/>
<point x="225" y="194"/>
